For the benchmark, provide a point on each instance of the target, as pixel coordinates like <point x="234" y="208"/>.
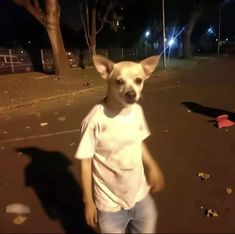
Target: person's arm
<point x="154" y="175"/>
<point x="86" y="180"/>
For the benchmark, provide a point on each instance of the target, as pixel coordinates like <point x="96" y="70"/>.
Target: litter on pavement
<point x="19" y="219"/>
<point x="211" y="213"/>
<point x="203" y="175"/>
<point x="229" y="190"/>
<point x="223" y="121"/>
<point x="17" y="208"/>
<point x="43" y="124"/>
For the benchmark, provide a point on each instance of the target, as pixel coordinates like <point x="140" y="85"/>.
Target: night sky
<point x="18" y="26"/>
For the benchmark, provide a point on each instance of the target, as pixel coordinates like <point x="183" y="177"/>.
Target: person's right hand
<point x="91" y="214"/>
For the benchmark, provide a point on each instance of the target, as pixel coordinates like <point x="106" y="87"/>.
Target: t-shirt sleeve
<point x="145" y="132"/>
<point x="86" y="147"/>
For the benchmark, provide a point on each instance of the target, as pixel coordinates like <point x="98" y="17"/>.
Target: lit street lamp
<point x="219" y="33"/>
<point x="164" y="33"/>
<point x="147" y="34"/>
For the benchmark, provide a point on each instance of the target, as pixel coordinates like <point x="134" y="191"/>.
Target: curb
<point x="35" y="101"/>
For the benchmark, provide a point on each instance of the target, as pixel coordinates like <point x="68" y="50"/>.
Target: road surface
<point x="37" y="145"/>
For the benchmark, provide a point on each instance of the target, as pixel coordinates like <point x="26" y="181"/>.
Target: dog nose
<point x="131" y="94"/>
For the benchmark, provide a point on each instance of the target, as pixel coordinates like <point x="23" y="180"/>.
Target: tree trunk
<point x="93" y="31"/>
<point x="50" y="19"/>
<point x="188" y="32"/>
<point x="54" y="33"/>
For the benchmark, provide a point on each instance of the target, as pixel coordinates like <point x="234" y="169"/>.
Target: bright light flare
<point x="171" y="42"/>
<point x="147" y="33"/>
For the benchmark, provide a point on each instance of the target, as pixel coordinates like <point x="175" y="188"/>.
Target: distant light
<point x="210" y="31"/>
<point x="226" y="39"/>
<point x="147" y="33"/>
<point x="29" y="42"/>
<point x="171" y="42"/>
<point x="216" y="39"/>
<point x="21" y="51"/>
<point x="117" y="22"/>
<point x="69" y="53"/>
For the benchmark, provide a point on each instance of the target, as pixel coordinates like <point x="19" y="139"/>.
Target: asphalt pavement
<point x="38" y="139"/>
<point x="25" y="89"/>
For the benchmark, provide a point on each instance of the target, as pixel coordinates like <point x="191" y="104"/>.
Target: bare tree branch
<point x="106" y="14"/>
<point x="32" y="9"/>
<point x="86" y="33"/>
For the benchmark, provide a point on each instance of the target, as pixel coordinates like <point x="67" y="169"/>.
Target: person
<point x="113" y="155"/>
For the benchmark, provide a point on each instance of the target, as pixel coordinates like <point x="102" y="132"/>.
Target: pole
<point x="12" y="65"/>
<point x="219" y="33"/>
<point x="164" y="34"/>
<point x="42" y="59"/>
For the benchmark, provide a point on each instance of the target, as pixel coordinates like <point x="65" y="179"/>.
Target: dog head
<point x="126" y="78"/>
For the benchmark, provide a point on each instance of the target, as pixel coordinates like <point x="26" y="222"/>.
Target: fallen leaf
<point x="37" y="114"/>
<point x="203" y="175"/>
<point x="2" y="147"/>
<point x="211" y="213"/>
<point x="17" y="208"/>
<point x="229" y="190"/>
<point x="62" y="118"/>
<point x="43" y="124"/>
<point x="19" y="220"/>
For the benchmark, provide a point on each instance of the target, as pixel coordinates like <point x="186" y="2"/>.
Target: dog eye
<point x="120" y="81"/>
<point x="138" y="80"/>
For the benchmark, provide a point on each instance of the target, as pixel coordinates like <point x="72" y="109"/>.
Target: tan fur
<point x="127" y="72"/>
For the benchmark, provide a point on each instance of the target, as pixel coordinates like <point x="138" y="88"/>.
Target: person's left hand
<point x="156" y="180"/>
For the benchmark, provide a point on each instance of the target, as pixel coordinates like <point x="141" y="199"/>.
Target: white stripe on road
<point x="39" y="136"/>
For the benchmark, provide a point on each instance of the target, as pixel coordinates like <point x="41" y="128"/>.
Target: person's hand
<point x="156" y="180"/>
<point x="91" y="214"/>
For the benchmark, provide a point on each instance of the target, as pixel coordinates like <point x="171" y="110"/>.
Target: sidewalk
<point x="25" y="89"/>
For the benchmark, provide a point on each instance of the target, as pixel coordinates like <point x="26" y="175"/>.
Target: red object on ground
<point x="223" y="121"/>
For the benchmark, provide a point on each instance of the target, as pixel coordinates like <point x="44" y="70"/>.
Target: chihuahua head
<point x="126" y="78"/>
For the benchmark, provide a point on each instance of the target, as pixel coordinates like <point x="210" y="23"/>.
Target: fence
<point x="19" y="60"/>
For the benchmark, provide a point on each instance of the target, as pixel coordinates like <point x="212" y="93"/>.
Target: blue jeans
<point x="142" y="218"/>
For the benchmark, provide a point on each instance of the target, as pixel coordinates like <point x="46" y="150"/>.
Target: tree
<point x="89" y="18"/>
<point x="194" y="16"/>
<point x="49" y="17"/>
<point x="199" y="8"/>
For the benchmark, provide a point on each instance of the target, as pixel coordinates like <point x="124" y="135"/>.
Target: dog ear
<point x="149" y="65"/>
<point x="103" y="66"/>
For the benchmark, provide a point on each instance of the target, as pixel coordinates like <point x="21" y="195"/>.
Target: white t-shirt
<point x="115" y="144"/>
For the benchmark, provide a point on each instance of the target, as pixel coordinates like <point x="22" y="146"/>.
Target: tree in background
<point x="91" y="14"/>
<point x="199" y="9"/>
<point x="49" y="17"/>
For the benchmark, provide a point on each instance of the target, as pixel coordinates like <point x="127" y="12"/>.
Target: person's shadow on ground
<point x="59" y="192"/>
<point x="208" y="111"/>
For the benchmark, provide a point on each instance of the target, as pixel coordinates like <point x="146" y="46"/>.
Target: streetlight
<point x="147" y="34"/>
<point x="219" y="33"/>
<point x="164" y="33"/>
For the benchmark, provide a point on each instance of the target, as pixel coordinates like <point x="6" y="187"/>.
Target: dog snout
<point x="131" y="94"/>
